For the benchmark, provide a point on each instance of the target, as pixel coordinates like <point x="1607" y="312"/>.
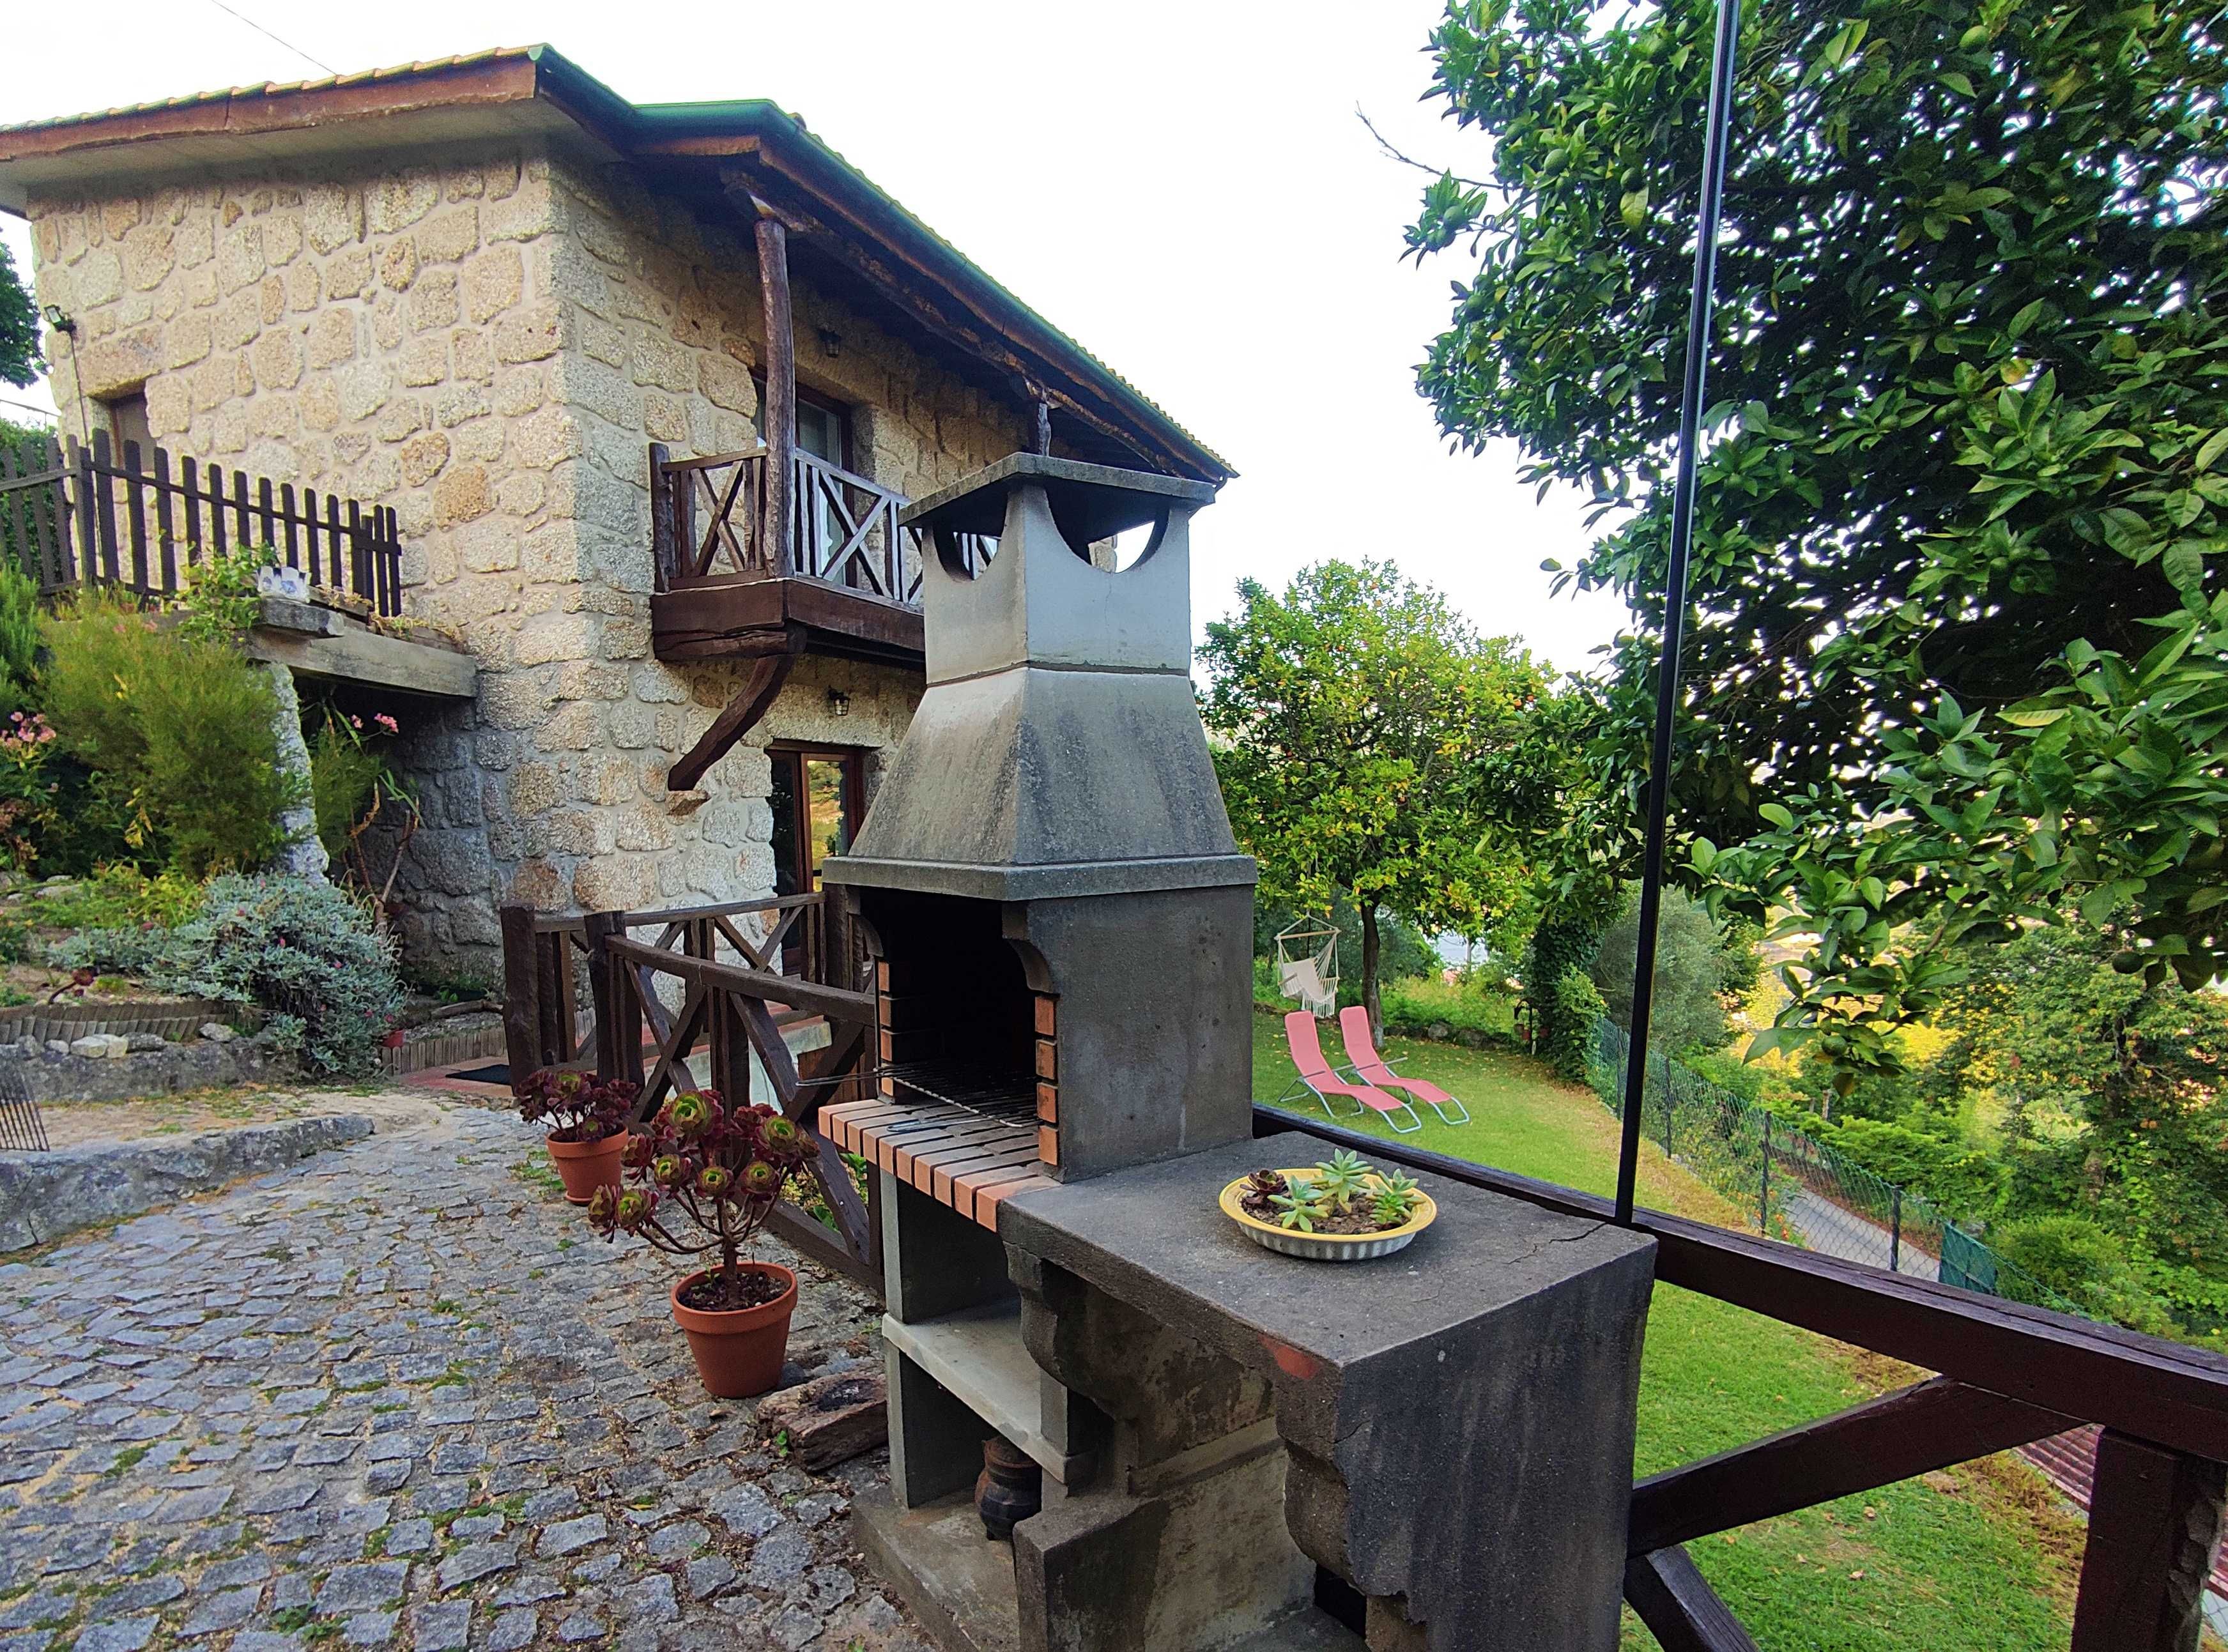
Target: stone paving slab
<point x="398" y="1397"/>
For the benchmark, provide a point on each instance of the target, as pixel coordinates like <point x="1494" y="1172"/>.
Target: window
<point x="127" y="421"/>
<point x="824" y="428"/>
<point x="818" y="799"/>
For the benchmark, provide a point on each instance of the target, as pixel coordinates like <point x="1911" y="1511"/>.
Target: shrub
<point x="27" y="795"/>
<point x="1577" y="1008"/>
<point x="118" y="896"/>
<point x="1411" y="1006"/>
<point x="1961" y="1181"/>
<point x="303" y="952"/>
<point x="19" y="638"/>
<point x="181" y="732"/>
<point x="2074" y="1256"/>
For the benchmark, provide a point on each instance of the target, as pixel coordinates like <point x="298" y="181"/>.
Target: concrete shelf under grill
<point x="977" y="1356"/>
<point x="962" y="1586"/>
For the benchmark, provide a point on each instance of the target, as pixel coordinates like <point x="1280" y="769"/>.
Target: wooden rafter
<point x="741" y="715"/>
<point x="762" y="184"/>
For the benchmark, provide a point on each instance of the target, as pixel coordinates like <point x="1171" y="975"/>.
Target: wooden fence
<point x="737" y="994"/>
<point x="72" y="515"/>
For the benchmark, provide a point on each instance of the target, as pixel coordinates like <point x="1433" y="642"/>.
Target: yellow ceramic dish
<point x="1326" y="1247"/>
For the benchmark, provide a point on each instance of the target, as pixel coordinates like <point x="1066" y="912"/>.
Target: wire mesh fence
<point x="1795" y="1187"/>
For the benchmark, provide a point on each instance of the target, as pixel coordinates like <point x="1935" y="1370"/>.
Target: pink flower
<point x="355" y="722"/>
<point x="387" y="723"/>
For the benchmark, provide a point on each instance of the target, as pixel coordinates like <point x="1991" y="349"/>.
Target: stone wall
<point x="488" y="342"/>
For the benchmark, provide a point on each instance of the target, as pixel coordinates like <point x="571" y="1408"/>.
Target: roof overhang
<point x="844" y="229"/>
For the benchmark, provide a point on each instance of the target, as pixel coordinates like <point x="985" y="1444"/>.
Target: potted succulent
<point x="722" y="1167"/>
<point x="586" y="1117"/>
<point x="1343" y="1210"/>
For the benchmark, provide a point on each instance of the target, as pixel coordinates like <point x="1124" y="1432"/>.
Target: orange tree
<point x="1957" y="660"/>
<point x="1368" y="741"/>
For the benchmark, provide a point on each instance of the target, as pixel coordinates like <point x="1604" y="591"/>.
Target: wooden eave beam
<point x="901" y="281"/>
<point x="743" y="711"/>
<point x="254" y="111"/>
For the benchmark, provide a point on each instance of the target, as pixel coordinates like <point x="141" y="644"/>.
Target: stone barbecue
<point x="1234" y="1448"/>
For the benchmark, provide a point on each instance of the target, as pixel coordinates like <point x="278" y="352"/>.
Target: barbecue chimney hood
<point x="1058" y="750"/>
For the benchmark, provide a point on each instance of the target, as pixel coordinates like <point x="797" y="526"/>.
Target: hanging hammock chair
<point x="1307" y="965"/>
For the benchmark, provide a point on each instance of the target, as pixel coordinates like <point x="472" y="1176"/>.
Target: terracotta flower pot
<point x="739" y="1353"/>
<point x="586" y="1166"/>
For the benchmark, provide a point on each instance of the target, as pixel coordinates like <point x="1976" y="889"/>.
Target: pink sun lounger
<point x="1366" y="1065"/>
<point x="1300" y="1036"/>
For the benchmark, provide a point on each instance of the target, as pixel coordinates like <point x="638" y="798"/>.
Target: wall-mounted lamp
<point x="831" y="342"/>
<point x="839" y="703"/>
<point x="59" y="319"/>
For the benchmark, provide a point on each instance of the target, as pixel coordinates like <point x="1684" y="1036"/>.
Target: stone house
<point x="644" y="389"/>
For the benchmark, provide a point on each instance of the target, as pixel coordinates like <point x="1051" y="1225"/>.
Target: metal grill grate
<point x="21" y="1130"/>
<point x="1008" y="1098"/>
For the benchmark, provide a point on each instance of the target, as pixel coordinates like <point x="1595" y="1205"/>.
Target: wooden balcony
<point x="841" y="579"/>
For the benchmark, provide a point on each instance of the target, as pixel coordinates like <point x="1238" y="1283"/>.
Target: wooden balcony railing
<point x="2008" y="1374"/>
<point x="708" y="525"/>
<point x="72" y="515"/>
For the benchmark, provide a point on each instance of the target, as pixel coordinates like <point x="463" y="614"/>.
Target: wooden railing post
<point x="664" y="555"/>
<point x="522" y="993"/>
<point x="618" y="1005"/>
<point x="2153" y="1520"/>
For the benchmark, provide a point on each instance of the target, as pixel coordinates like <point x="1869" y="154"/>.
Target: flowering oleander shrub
<point x="576" y="1106"/>
<point x="718" y="1168"/>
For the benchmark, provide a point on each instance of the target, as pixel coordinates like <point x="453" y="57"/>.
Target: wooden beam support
<point x="1911" y="1432"/>
<point x="743" y="711"/>
<point x="521" y="992"/>
<point x="909" y="288"/>
<point x="2154" y="1520"/>
<point x="1679" y="1606"/>
<point x="778" y="421"/>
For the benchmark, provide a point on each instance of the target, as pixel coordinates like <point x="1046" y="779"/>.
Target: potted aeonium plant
<point x="719" y="1169"/>
<point x="587" y="1120"/>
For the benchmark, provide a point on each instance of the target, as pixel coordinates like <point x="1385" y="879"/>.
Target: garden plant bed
<point x="176" y="1019"/>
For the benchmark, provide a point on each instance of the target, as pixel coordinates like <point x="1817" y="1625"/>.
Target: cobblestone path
<point x="398" y="1396"/>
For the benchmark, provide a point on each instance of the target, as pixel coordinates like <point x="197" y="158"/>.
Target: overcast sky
<point x="1180" y="185"/>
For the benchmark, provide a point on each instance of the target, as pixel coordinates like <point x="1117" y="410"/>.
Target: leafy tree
<point x="1959" y="630"/>
<point x="1358" y="723"/>
<point x="20" y="360"/>
<point x="2110" y="1091"/>
<point x="1696" y="965"/>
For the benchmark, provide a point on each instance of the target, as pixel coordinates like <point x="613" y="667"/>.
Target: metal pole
<point x="1764" y="1185"/>
<point x="1895" y="1233"/>
<point x="1699" y="306"/>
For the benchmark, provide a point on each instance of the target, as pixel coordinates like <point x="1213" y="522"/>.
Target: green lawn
<point x="1975" y="1560"/>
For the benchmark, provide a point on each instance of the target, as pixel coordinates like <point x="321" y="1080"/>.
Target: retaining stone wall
<point x="44" y="1195"/>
